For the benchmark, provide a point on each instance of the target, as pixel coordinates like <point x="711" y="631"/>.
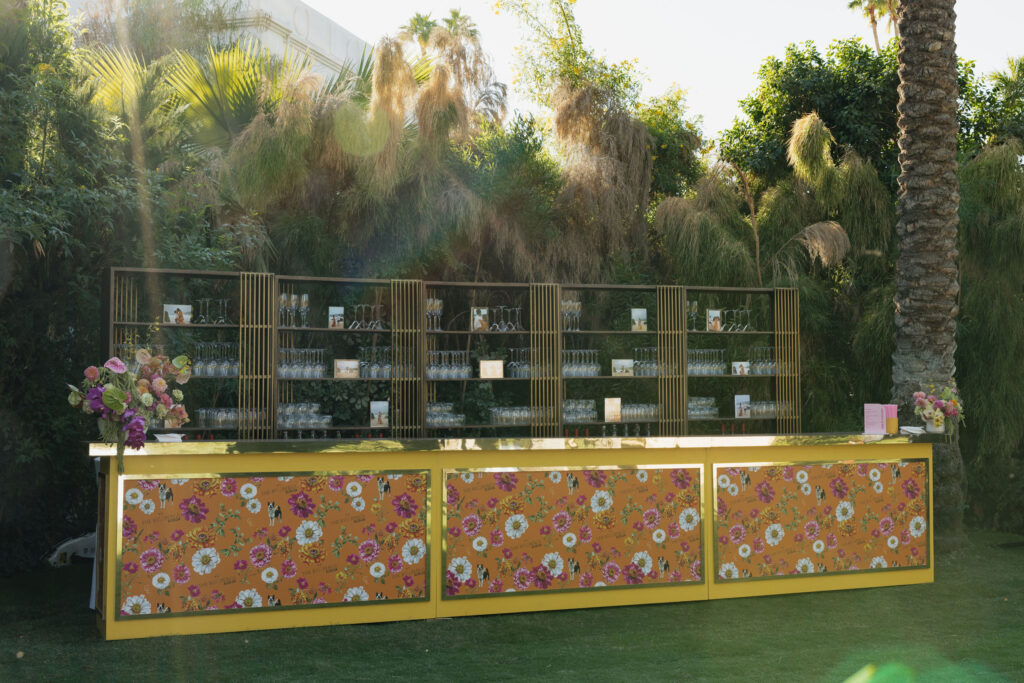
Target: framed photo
<point x="742" y="405"/>
<point x="622" y="367"/>
<point x="478" y="319"/>
<point x="741" y="367"/>
<point x="378" y="414"/>
<point x="714" y="320"/>
<point x="336" y="317"/>
<point x="639" y="319"/>
<point x="613" y="410"/>
<point x="177" y="314"/>
<point x="346" y="368"/>
<point x="492" y="369"/>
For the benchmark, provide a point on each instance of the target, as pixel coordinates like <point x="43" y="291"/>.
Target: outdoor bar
<point x="373" y="450"/>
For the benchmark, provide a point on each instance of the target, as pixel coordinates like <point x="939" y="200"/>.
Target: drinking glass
<point x="304" y="309"/>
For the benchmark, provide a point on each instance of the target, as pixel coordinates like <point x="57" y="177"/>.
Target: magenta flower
<point x="586" y="534"/>
<point x="228" y="487"/>
<point x="284" y="531"/>
<point x="562" y="521"/>
<point x="911" y="489"/>
<point x="194" y="591"/>
<point x="302" y="583"/>
<point x="506" y="553"/>
<point x="336" y="483"/>
<point x="496" y="586"/>
<point x="737" y="532"/>
<point x="92" y="373"/>
<point x="831" y="541"/>
<point x="451" y="584"/>
<point x="404" y="505"/>
<point x="353" y="559"/>
<point x="651" y="518"/>
<point x="673" y="530"/>
<point x="681" y="478"/>
<point x="839" y="487"/>
<point x="491" y="502"/>
<point x="586" y="580"/>
<point x="130" y="567"/>
<point x="301" y="504"/>
<point x="395" y="564"/>
<point x="722" y="509"/>
<point x="811" y="529"/>
<point x="455" y="531"/>
<point x="542" y="577"/>
<point x="633" y="574"/>
<point x="408" y="580"/>
<point x="471" y="525"/>
<point x="261" y="555"/>
<point x="596" y="478"/>
<point x="758" y="545"/>
<point x="151" y="560"/>
<point x="522" y="578"/>
<point x="288" y="569"/>
<point x="115" y="365"/>
<point x="453" y="494"/>
<point x="545" y="530"/>
<point x="193" y="509"/>
<point x="390" y="527"/>
<point x="581" y="499"/>
<point x="506" y="481"/>
<point x="368" y="550"/>
<point x="885" y="525"/>
<point x="765" y="492"/>
<point x="182" y="574"/>
<point x="611" y="572"/>
<point x="128" y="527"/>
<point x="695" y="570"/>
<point x="240" y="565"/>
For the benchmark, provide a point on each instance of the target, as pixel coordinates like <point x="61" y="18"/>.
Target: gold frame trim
<point x="716" y="579"/>
<point x="121" y="479"/>
<point x="445" y="471"/>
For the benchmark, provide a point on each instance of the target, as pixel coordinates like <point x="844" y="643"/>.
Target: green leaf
<point x="180" y="362"/>
<point x="114" y="398"/>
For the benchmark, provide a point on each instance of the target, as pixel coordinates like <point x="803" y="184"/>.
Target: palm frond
<point x="809" y="150"/>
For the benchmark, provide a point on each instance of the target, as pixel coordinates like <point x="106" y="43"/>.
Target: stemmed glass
<point x="304" y="309"/>
<point x="293" y="305"/>
<point x="282" y="308"/>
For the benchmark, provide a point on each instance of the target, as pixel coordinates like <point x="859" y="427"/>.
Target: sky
<point x="712" y="50"/>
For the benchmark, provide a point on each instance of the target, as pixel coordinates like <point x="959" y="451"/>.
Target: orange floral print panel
<point x="515" y="531"/>
<point x="785" y="520"/>
<point x="191" y="545"/>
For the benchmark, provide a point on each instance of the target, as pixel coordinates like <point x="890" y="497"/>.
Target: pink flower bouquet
<point x="937" y="404"/>
<point x="126" y="401"/>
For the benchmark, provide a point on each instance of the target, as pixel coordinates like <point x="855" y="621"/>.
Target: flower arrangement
<point x="937" y="403"/>
<point x="127" y="400"/>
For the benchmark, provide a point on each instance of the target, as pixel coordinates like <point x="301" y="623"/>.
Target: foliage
<point x="555" y="56"/>
<point x="676" y="141"/>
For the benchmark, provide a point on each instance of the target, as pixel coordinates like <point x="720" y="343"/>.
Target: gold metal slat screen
<point x="256" y="355"/>
<point x="787" y="356"/>
<point x="408" y="341"/>
<point x="545" y="361"/>
<point x="125" y="295"/>
<point x="672" y="387"/>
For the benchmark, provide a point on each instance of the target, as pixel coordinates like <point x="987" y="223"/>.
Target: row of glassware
<point x="223" y="418"/>
<point x="449" y="365"/>
<point x="216" y="359"/>
<point x="701" y="407"/>
<point x="440" y="414"/>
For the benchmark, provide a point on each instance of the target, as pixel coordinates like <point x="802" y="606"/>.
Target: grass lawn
<point x="968" y="625"/>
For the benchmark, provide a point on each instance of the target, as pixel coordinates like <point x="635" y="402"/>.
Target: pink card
<point x="874" y="418"/>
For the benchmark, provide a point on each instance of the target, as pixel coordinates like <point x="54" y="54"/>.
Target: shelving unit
<point x="408" y="331"/>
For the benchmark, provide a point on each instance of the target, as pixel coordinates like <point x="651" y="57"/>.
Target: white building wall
<point x="291" y="25"/>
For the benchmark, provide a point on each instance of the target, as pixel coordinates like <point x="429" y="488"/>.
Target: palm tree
<point x="873" y="10"/>
<point x="927" y="273"/>
<point x="460" y="24"/>
<point x="419" y="28"/>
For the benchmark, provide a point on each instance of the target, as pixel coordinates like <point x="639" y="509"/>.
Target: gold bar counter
<point x="208" y="537"/>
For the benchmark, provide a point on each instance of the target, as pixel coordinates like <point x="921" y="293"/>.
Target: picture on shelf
<point x="378" y="414"/>
<point x="177" y="314"/>
<point x="741" y="367"/>
<point x="336" y="317"/>
<point x="714" y="320"/>
<point x="479" y="319"/>
<point x="622" y="367"/>
<point x="492" y="369"/>
<point x="742" y="403"/>
<point x="613" y="410"/>
<point x="639" y="318"/>
<point x="346" y="368"/>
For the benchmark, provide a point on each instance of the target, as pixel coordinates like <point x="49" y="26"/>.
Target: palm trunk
<point x="874" y="29"/>
<point x="927" y="284"/>
<point x="892" y="17"/>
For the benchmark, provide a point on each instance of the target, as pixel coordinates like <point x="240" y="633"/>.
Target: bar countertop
<point x="318" y="446"/>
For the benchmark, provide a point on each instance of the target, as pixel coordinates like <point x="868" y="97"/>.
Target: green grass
<point x="968" y="625"/>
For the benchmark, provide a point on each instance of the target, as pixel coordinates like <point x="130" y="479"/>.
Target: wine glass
<point x="304" y="309"/>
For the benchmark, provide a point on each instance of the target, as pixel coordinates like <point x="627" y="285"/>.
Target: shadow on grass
<point x="967" y="626"/>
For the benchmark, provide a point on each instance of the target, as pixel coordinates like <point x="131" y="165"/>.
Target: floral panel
<point x="807" y="519"/>
<point x="191" y="545"/>
<point x="514" y="531"/>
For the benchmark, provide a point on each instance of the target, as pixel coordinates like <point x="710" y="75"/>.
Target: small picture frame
<point x="478" y="319"/>
<point x="741" y="367"/>
<point x="622" y="367"/>
<point x="714" y="320"/>
<point x="336" y="317"/>
<point x="638" y="316"/>
<point x="613" y="410"/>
<point x="177" y="314"/>
<point x="492" y="369"/>
<point x="742" y="404"/>
<point x="346" y="368"/>
<point x="378" y="414"/>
